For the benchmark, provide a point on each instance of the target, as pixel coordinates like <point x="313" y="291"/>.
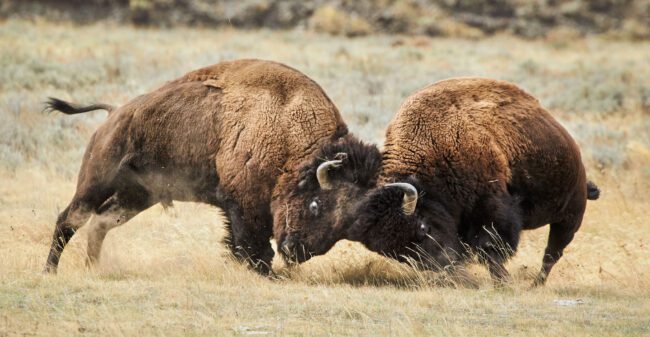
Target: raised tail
<point x="55" y="104"/>
<point x="593" y="192"/>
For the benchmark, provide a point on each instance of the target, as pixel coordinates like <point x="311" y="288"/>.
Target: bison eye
<point x="423" y="231"/>
<point x="302" y="184"/>
<point x="313" y="208"/>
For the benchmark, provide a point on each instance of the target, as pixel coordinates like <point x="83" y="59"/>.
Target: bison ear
<point x="342" y="156"/>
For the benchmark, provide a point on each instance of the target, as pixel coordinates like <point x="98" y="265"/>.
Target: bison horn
<point x="410" y="196"/>
<point x="321" y="173"/>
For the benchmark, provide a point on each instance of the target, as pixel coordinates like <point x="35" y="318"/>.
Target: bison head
<point x="333" y="202"/>
<point x="336" y="197"/>
<point x="310" y="218"/>
<point x="392" y="220"/>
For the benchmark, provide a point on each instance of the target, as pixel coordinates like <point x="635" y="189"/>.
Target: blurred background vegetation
<point x="628" y="19"/>
<point x="586" y="60"/>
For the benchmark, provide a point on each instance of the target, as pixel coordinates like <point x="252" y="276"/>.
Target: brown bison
<point x="467" y="164"/>
<point x="224" y="135"/>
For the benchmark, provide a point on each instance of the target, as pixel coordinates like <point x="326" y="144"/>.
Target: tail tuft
<point x="55" y="104"/>
<point x="593" y="192"/>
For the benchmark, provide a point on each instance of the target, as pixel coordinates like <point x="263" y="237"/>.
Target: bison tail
<point x="593" y="192"/>
<point x="55" y="104"/>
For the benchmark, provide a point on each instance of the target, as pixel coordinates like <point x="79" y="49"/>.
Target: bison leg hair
<point x="494" y="257"/>
<point x="498" y="240"/>
<point x="258" y="254"/>
<point x="246" y="243"/>
<point x="71" y="219"/>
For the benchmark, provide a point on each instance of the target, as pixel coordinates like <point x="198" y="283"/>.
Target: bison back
<point x="470" y="137"/>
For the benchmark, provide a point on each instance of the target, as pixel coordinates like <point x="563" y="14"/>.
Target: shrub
<point x="328" y="19"/>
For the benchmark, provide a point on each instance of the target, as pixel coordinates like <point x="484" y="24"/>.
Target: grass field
<point x="165" y="272"/>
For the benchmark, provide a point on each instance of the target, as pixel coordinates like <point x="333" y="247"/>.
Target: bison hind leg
<point x="71" y="219"/>
<point x="560" y="235"/>
<point x="68" y="222"/>
<point x="116" y="211"/>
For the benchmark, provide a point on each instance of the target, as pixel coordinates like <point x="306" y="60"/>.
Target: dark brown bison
<point x="467" y="164"/>
<point x="223" y="135"/>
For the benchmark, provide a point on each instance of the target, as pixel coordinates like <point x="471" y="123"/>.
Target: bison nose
<point x="294" y="251"/>
<point x="288" y="247"/>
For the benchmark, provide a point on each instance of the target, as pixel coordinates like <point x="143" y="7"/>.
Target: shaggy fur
<point x="495" y="160"/>
<point x="296" y="223"/>
<point x="224" y="135"/>
<point x="487" y="160"/>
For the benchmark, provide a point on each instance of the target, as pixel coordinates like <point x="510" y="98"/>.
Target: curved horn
<point x="321" y="173"/>
<point x="410" y="196"/>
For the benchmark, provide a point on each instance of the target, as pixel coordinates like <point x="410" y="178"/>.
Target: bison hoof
<point x="49" y="270"/>
<point x="262" y="268"/>
<point x="540" y="280"/>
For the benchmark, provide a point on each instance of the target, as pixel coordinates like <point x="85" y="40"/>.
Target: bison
<point x="225" y="135"/>
<point x="467" y="164"/>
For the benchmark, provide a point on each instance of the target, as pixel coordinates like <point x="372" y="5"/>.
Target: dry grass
<point x="166" y="273"/>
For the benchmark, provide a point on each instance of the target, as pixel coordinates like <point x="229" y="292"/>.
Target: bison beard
<point x="223" y="135"/>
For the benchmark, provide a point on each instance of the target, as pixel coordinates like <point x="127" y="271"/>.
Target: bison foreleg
<point x="248" y="243"/>
<point x="499" y="239"/>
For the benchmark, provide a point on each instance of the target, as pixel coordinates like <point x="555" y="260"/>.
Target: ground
<point x="166" y="272"/>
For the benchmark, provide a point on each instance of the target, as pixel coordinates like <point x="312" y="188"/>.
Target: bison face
<point x="391" y="221"/>
<point x="317" y="205"/>
<point x="319" y="211"/>
<point x="321" y="202"/>
<point x="314" y="220"/>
